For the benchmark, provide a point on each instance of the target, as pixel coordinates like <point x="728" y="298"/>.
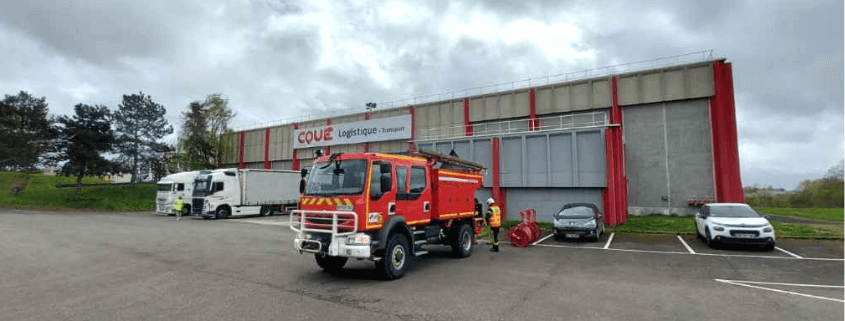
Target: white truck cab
<point x="170" y="188"/>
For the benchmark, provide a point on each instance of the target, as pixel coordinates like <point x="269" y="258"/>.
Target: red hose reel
<point x="526" y="231"/>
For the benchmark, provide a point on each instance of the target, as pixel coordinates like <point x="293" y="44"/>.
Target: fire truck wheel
<point x="330" y="263"/>
<point x="396" y="257"/>
<point x="462" y="241"/>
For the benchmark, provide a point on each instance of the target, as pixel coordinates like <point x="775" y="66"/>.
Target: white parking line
<point x="789" y="284"/>
<point x="742" y="283"/>
<point x="609" y="239"/>
<point x="685" y="245"/>
<point x="259" y="221"/>
<point x="543" y="239"/>
<point x="788" y="252"/>
<point x="687" y="253"/>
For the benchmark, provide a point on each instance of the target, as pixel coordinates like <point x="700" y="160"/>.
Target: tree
<point x="83" y="139"/>
<point x="837" y="171"/>
<point x="26" y="134"/>
<point x="139" y="126"/>
<point x="204" y="139"/>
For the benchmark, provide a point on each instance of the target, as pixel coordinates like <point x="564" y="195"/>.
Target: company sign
<point x="374" y="130"/>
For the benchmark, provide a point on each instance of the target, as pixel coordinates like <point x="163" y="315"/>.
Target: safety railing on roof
<point x="663" y="62"/>
<point x="549" y="123"/>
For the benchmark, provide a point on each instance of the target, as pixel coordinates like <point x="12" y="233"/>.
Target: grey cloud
<point x="787" y="57"/>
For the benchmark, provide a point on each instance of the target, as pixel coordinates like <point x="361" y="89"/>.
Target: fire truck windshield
<point x="339" y="178"/>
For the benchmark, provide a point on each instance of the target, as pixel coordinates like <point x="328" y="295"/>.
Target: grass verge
<point x="660" y="224"/>
<point x="41" y="193"/>
<point x="823" y="213"/>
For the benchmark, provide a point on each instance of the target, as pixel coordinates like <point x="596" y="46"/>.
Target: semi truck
<point x="170" y="188"/>
<point x="386" y="208"/>
<point x="225" y="193"/>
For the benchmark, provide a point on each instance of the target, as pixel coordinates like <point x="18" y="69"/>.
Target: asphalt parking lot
<point x="139" y="266"/>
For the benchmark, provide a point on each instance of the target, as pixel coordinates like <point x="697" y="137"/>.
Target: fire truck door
<point x="402" y="191"/>
<point x="419" y="195"/>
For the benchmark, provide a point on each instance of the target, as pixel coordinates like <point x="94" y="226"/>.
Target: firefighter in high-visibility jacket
<point x="494" y="220"/>
<point x="177" y="207"/>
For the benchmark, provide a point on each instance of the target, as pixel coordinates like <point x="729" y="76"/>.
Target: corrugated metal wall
<point x="560" y="159"/>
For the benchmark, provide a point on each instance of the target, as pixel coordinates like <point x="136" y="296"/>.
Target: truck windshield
<point x="202" y="186"/>
<point x="163" y="187"/>
<point x="339" y="178"/>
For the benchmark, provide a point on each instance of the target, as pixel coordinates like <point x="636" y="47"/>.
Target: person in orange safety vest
<point x="494" y="220"/>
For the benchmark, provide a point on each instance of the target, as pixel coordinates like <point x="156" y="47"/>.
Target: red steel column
<point x="727" y="180"/>
<point x="615" y="196"/>
<point x="267" y="148"/>
<point x="328" y="148"/>
<point x="366" y="145"/>
<point x="467" y="122"/>
<point x="498" y="194"/>
<point x="412" y="146"/>
<point x="533" y="122"/>
<point x="241" y="164"/>
<point x="294" y="159"/>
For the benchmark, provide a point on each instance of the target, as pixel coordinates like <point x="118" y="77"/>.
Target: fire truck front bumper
<point x="352" y="246"/>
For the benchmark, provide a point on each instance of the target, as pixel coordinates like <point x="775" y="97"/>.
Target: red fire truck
<point x="386" y="208"/>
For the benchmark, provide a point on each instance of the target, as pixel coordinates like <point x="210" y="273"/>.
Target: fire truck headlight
<point x="358" y="239"/>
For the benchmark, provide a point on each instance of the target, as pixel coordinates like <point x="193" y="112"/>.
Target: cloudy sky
<point x="282" y="59"/>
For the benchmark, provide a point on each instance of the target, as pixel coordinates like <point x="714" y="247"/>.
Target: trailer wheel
<point x="396" y="258"/>
<point x="222" y="213"/>
<point x="266" y="210"/>
<point x="462" y="241"/>
<point x="330" y="263"/>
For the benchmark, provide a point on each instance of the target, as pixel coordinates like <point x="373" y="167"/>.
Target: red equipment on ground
<point x="526" y="231"/>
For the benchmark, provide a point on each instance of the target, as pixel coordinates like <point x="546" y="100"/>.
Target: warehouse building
<point x="652" y="141"/>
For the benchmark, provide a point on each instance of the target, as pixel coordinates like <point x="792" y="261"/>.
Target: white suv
<point x="719" y="223"/>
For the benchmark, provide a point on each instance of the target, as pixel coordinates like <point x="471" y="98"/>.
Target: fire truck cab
<point x="386" y="208"/>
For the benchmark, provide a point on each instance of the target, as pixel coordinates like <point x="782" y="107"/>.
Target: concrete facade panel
<point x="674" y="84"/>
<point x="491" y="107"/>
<point x="561" y="99"/>
<point x="602" y="96"/>
<point x="548" y="201"/>
<point x="521" y="103"/>
<point x="700" y="81"/>
<point x="669" y="162"/>
<point x="543" y="102"/>
<point x="628" y="90"/>
<point x="651" y="88"/>
<point x="506" y="105"/>
<point x="645" y="154"/>
<point x="476" y="109"/>
<point x="690" y="152"/>
<point x="581" y="96"/>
